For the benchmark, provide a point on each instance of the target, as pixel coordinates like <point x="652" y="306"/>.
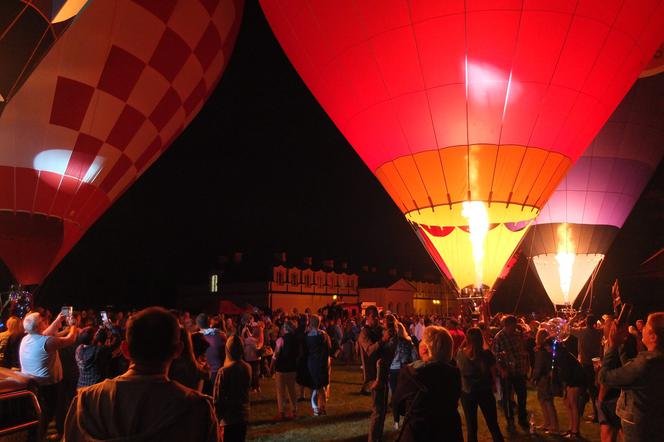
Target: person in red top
<point x="458" y="336"/>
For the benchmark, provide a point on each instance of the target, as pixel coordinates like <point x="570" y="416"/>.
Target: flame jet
<point x="451" y="102"/>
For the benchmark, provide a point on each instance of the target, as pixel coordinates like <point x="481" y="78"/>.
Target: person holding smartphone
<point x="40" y="359"/>
<point x="641" y="380"/>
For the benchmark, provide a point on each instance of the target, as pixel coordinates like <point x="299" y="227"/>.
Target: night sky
<point x="263" y="169"/>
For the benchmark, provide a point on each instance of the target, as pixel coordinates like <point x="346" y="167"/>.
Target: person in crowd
<point x="590" y="346"/>
<point x="428" y="391"/>
<point x="404" y="354"/>
<point x="215" y="353"/>
<point x="231" y="392"/>
<point x="371" y="340"/>
<point x="478" y="380"/>
<point x="168" y="411"/>
<point x="40" y="360"/>
<point x="253" y="343"/>
<point x="302" y="372"/>
<point x="317" y="352"/>
<point x="10" y="341"/>
<point x="513" y="364"/>
<point x="544" y="382"/>
<point x="93" y="355"/>
<point x="458" y="336"/>
<point x="186" y="369"/>
<point x="574" y="380"/>
<point x="641" y="380"/>
<point x="284" y="363"/>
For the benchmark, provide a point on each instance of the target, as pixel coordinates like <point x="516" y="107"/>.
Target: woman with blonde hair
<point x="428" y="391"/>
<point x="10" y="341"/>
<point x="404" y="354"/>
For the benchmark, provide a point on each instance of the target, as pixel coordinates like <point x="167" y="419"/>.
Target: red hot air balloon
<point x="468" y="112"/>
<point x="112" y="93"/>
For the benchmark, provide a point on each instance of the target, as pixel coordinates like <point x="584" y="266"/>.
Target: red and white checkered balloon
<point x="111" y="94"/>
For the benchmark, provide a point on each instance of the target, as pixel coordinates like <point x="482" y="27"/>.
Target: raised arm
<point x="56" y="342"/>
<point x="53" y="327"/>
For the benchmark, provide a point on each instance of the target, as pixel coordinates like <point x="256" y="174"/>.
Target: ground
<point x="348" y="416"/>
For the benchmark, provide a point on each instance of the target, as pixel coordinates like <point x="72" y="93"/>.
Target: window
<point x="294" y="279"/>
<point x="279" y="277"/>
<point x="214" y="283"/>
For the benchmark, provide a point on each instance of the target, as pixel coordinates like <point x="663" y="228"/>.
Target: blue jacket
<point x="641" y="381"/>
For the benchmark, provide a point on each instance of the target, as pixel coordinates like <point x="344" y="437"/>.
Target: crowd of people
<point x="193" y="378"/>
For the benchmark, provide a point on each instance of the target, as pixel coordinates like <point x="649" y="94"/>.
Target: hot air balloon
<point x="112" y="93"/>
<point x="468" y="112"/>
<point x="577" y="226"/>
<point x="27" y="31"/>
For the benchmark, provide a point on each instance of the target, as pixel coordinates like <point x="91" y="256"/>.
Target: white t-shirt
<point x="36" y="362"/>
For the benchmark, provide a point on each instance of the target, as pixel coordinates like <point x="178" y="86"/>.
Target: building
<point x="405" y="295"/>
<point x="273" y="283"/>
<point x="277" y="283"/>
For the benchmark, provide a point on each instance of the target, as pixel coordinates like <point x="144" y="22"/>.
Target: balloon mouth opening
<point x="471" y="241"/>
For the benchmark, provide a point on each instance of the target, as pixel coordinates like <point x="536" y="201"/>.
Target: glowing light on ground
<point x="478" y="224"/>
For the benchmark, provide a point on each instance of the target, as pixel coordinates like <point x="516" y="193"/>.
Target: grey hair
<point x="31" y="322"/>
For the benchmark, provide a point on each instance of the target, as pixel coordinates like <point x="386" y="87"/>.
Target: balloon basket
<point x="476" y="302"/>
<point x="566" y="310"/>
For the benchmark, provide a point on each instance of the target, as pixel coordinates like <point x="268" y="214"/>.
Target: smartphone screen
<point x="67" y="310"/>
<point x="104" y="317"/>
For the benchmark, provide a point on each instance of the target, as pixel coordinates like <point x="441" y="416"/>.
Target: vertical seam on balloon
<point x="426" y="94"/>
<point x="34" y="196"/>
<point x="389" y="102"/>
<point x="507" y="94"/>
<point x="465" y="39"/>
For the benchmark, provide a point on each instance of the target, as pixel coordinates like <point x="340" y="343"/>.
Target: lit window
<point x="214" y="284"/>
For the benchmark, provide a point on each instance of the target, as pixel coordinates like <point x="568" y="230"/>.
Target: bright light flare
<point x="57" y="161"/>
<point x="565" y="258"/>
<point x="478" y="224"/>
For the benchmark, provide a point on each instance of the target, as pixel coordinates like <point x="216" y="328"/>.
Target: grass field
<point x="347" y="416"/>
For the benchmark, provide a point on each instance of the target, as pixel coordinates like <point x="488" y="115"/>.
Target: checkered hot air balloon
<point x="112" y="93"/>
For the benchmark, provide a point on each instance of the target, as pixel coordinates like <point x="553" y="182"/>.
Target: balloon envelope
<point x="577" y="226"/>
<point x="468" y="112"/>
<point x="112" y="93"/>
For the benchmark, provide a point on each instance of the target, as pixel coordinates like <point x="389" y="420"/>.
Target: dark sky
<point x="261" y="169"/>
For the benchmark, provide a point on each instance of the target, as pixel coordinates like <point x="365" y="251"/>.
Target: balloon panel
<point x="112" y="94"/>
<point x="464" y="101"/>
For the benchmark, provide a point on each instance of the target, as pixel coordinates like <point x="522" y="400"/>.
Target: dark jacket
<point x="642" y="382"/>
<point x="370" y="350"/>
<point x="428" y="395"/>
<point x="231" y="393"/>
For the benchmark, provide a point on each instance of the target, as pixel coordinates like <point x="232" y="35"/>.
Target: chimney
<point x="308" y="261"/>
<point x="408" y="274"/>
<point x="365" y="268"/>
<point x="392" y="272"/>
<point x="237" y="257"/>
<point x="329" y="263"/>
<point x="344" y="265"/>
<point x="280" y="257"/>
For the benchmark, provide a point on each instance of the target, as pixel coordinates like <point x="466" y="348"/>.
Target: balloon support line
<point x="589" y="289"/>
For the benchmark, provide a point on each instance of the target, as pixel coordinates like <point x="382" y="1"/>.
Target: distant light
<point x="334" y="297"/>
<point x="214" y="284"/>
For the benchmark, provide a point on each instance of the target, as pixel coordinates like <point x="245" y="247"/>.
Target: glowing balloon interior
<point x="457" y="102"/>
